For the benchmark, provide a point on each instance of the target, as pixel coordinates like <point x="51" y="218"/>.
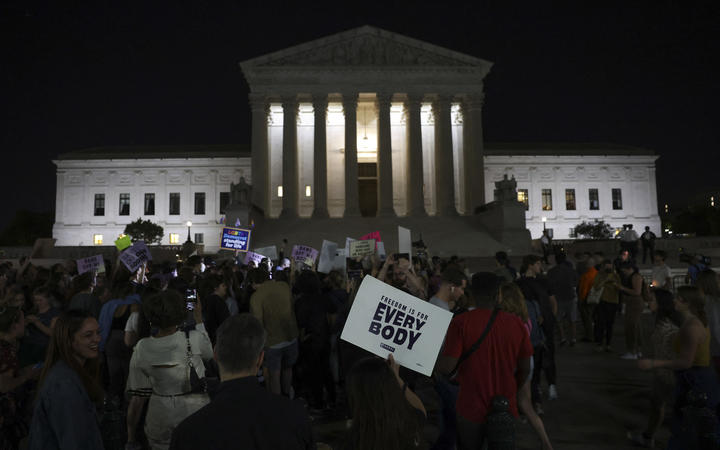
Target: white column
<point x="415" y="198"/>
<point x="290" y="201"/>
<point x="320" y="211"/>
<point x="384" y="141"/>
<point x="352" y="201"/>
<point x="444" y="176"/>
<point x="260" y="154"/>
<point x="473" y="152"/>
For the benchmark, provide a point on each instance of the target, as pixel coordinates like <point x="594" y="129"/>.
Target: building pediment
<point x="366" y="46"/>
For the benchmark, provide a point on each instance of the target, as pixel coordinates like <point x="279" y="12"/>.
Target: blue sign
<point x="235" y="239"/>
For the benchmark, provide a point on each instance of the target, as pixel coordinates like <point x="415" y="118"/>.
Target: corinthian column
<point x="260" y="167"/>
<point x="352" y="201"/>
<point x="415" y="198"/>
<point x="473" y="153"/>
<point x="320" y="104"/>
<point x="444" y="174"/>
<point x="385" y="199"/>
<point x="290" y="199"/>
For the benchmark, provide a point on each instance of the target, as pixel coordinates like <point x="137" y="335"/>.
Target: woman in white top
<point x="160" y="373"/>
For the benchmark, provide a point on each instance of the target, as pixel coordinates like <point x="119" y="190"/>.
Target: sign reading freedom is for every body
<point x="385" y="320"/>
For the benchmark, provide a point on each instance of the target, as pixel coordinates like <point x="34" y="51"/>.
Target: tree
<point x="144" y="230"/>
<point x="596" y="229"/>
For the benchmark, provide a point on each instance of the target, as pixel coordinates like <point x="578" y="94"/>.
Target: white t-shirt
<point x="660" y="274"/>
<point x="132" y="322"/>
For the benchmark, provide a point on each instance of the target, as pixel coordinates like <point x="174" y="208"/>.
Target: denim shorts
<point x="281" y="358"/>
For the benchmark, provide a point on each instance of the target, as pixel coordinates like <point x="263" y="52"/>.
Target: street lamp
<point x="189" y="224"/>
<point x="544" y="219"/>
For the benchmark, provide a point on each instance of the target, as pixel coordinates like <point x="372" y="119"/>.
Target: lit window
<point x="280" y="191"/>
<point x="594" y="199"/>
<point x="174" y="238"/>
<point x="617" y="199"/>
<point x="97" y="239"/>
<point x="570" y="199"/>
<point x="523" y="198"/>
<point x="547" y="199"/>
<point x="308" y="191"/>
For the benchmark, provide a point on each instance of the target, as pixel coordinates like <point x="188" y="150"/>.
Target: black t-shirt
<point x="311" y="312"/>
<point x="538" y="289"/>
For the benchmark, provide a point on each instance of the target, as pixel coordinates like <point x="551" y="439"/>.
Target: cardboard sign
<point x="254" y="257"/>
<point x="123" y="243"/>
<point x="91" y="264"/>
<point x="134" y="257"/>
<point x="235" y="239"/>
<point x="270" y="251"/>
<point x="405" y="242"/>
<point x="300" y="253"/>
<point x="362" y="248"/>
<point x="328" y="252"/>
<point x="386" y="320"/>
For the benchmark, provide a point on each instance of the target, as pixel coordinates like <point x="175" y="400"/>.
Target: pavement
<point x="601" y="397"/>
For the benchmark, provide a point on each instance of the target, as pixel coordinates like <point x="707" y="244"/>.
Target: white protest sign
<point x="362" y="248"/>
<point x="328" y="252"/>
<point x="270" y="252"/>
<point x="405" y="242"/>
<point x="385" y="320"/>
<point x="254" y="257"/>
<point x="347" y="245"/>
<point x="133" y="257"/>
<point x="300" y="253"/>
<point x="91" y="264"/>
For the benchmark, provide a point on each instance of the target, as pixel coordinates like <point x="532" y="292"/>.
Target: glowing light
<point x="308" y="191"/>
<point x="280" y="191"/>
<point x="188" y="223"/>
<point x="97" y="239"/>
<point x="174" y="238"/>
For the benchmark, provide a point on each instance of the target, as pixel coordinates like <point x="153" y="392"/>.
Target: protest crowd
<point x="237" y="353"/>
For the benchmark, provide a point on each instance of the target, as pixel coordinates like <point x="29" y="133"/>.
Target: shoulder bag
<point x="466" y="354"/>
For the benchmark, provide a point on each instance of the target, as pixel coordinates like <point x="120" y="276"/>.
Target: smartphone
<point x="190" y="299"/>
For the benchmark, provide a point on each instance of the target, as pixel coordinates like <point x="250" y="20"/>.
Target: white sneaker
<point x="629" y="355"/>
<point x="552" y="392"/>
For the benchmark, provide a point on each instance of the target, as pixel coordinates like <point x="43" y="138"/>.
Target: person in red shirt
<point x="499" y="366"/>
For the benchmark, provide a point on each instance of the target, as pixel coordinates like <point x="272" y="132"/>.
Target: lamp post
<point x="544" y="219"/>
<point x="189" y="224"/>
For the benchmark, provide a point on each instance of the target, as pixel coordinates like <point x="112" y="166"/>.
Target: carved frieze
<point x="367" y="51"/>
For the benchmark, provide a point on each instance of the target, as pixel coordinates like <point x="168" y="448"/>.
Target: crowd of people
<point x="208" y="354"/>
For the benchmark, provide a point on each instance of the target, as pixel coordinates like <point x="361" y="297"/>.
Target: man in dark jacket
<point x="243" y="414"/>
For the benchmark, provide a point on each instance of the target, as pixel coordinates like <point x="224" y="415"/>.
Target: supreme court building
<point x="364" y="123"/>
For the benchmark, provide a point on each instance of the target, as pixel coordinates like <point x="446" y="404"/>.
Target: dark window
<point x="199" y="238"/>
<point x="99" y="204"/>
<point x="199" y="203"/>
<point x="174" y="204"/>
<point x="523" y="198"/>
<point x="594" y="199"/>
<point x="149" y="204"/>
<point x="547" y="199"/>
<point x="570" y="199"/>
<point x="224" y="201"/>
<point x="367" y="170"/>
<point x="124" y="205"/>
<point x="617" y="198"/>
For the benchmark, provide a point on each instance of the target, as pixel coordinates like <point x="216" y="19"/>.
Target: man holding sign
<point x="498" y="366"/>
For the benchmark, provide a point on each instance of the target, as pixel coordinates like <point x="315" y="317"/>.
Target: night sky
<point x="116" y="73"/>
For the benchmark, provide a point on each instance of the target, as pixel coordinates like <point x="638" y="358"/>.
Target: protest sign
<point x="123" y="242"/>
<point x="302" y="252"/>
<point x="374" y="235"/>
<point x="380" y="248"/>
<point x="270" y="252"/>
<point x="91" y="264"/>
<point x="405" y="242"/>
<point x="328" y="251"/>
<point x="385" y="320"/>
<point x="254" y="257"/>
<point x="347" y="245"/>
<point x="235" y="239"/>
<point x="340" y="262"/>
<point x="362" y="248"/>
<point x="134" y="256"/>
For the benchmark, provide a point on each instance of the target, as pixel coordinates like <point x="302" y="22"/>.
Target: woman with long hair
<point x="512" y="300"/>
<point x="65" y="415"/>
<point x="386" y="414"/>
<point x="694" y="378"/>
